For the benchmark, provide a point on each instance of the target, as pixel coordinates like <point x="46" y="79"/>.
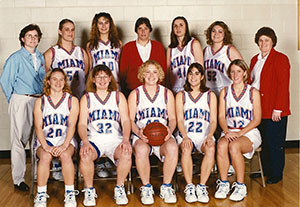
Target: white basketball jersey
<point x="105" y="55"/>
<point x="104" y="117"/>
<point x="73" y="64"/>
<point x="55" y="117"/>
<point x="216" y="65"/>
<point x="196" y="114"/>
<point x="181" y="59"/>
<point x="151" y="109"/>
<point x="239" y="110"/>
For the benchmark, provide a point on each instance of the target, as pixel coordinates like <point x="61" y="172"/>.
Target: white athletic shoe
<point x="89" y="197"/>
<point x="70" y="200"/>
<point x="167" y="193"/>
<point x="111" y="168"/>
<point x="239" y="193"/>
<point x="178" y="167"/>
<point x="190" y="195"/>
<point x="40" y="200"/>
<point x="202" y="193"/>
<point x="101" y="171"/>
<point x="120" y="195"/>
<point x="230" y="171"/>
<point x="57" y="174"/>
<point x="223" y="189"/>
<point x="147" y="195"/>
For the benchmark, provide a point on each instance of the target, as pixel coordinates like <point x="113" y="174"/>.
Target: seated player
<point x="196" y="110"/>
<point x="104" y="128"/>
<point x="149" y="103"/>
<point x="55" y="117"/>
<point x="239" y="115"/>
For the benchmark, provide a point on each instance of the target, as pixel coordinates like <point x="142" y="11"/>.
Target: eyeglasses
<point x="101" y="77"/>
<point x="30" y="36"/>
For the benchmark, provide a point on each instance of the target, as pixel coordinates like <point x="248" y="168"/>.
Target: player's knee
<point x="46" y="158"/>
<point x="172" y="149"/>
<point x="65" y="157"/>
<point x="186" y="150"/>
<point x="141" y="150"/>
<point x="233" y="148"/>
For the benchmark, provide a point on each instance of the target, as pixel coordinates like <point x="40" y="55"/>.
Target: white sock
<point x="69" y="188"/>
<point x="42" y="189"/>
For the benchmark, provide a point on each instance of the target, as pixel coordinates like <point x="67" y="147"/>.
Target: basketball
<point x="156" y="133"/>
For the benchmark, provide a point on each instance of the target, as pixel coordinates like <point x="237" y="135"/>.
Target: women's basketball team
<point x="189" y="90"/>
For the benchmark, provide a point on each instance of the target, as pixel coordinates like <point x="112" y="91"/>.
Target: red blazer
<point x="274" y="84"/>
<point x="131" y="61"/>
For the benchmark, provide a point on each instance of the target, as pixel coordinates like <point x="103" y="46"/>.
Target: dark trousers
<point x="273" y="139"/>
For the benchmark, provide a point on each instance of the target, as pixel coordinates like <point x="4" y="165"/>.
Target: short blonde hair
<point x="46" y="88"/>
<point x="143" y="68"/>
<point x="243" y="65"/>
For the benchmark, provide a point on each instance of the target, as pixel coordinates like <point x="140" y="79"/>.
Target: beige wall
<point x="244" y="17"/>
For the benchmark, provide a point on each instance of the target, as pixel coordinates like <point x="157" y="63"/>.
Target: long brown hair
<point x="46" y="88"/>
<point x="91" y="86"/>
<point x="95" y="34"/>
<point x="187" y="37"/>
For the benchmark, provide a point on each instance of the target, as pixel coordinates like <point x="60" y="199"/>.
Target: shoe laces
<point x="190" y="189"/>
<point x="169" y="190"/>
<point x="41" y="197"/>
<point x="146" y="191"/>
<point x="69" y="196"/>
<point x="90" y="194"/>
<point x="221" y="186"/>
<point x="120" y="191"/>
<point x="203" y="190"/>
<point x="237" y="188"/>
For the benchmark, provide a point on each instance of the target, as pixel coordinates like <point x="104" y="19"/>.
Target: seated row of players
<point x="105" y="123"/>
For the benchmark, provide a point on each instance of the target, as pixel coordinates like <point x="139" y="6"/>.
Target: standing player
<point x="55" y="117"/>
<point x="181" y="53"/>
<point x="135" y="53"/>
<point x="22" y="82"/>
<point x="239" y="115"/>
<point x="154" y="98"/>
<point x="196" y="110"/>
<point x="104" y="46"/>
<point x="69" y="57"/>
<point x="104" y="128"/>
<point x="218" y="55"/>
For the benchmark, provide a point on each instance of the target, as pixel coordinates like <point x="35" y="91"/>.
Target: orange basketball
<point x="156" y="133"/>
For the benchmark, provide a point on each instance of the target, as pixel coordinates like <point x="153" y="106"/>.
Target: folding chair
<point x="260" y="170"/>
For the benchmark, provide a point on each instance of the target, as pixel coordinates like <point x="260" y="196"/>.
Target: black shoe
<point x="273" y="180"/>
<point x="22" y="187"/>
<point x="255" y="175"/>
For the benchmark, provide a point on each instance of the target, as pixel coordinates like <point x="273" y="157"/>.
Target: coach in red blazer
<point x="270" y="74"/>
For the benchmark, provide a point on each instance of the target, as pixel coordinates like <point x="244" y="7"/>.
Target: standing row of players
<point x="104" y="48"/>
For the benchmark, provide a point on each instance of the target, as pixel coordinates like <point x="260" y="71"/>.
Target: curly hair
<point x="95" y="34"/>
<point x="47" y="87"/>
<point x="187" y="37"/>
<point x="267" y="31"/>
<point x="143" y="68"/>
<point x="60" y="27"/>
<point x="243" y="65"/>
<point x="91" y="86"/>
<point x="199" y="67"/>
<point x="227" y="33"/>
